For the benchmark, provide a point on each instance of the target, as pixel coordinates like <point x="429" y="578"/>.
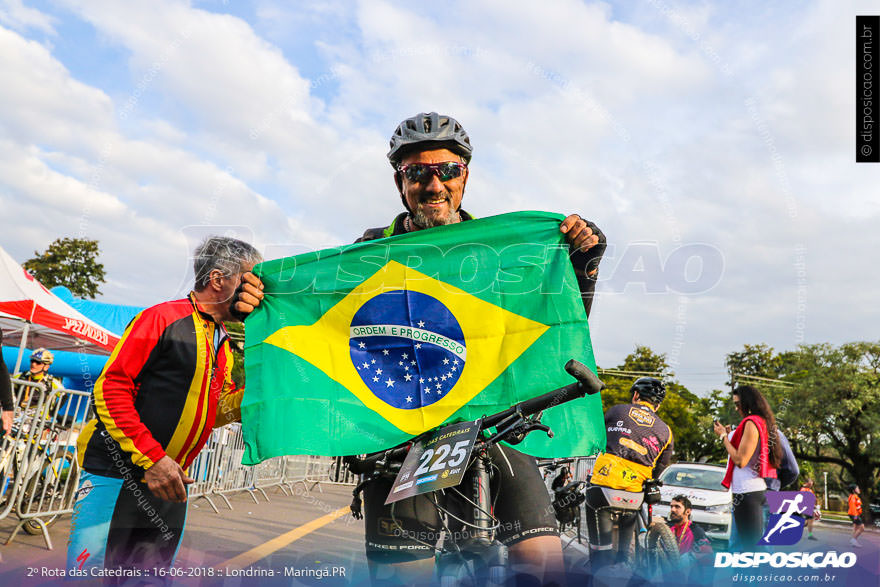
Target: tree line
<point x="826" y="399"/>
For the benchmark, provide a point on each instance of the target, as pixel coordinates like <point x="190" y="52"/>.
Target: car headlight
<point x="723" y="508"/>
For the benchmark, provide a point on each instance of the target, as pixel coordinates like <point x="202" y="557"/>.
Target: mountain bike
<point x="476" y="557"/>
<point x="654" y="551"/>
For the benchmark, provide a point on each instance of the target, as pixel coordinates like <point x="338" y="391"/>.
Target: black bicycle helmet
<point x="650" y="389"/>
<point x="430" y="130"/>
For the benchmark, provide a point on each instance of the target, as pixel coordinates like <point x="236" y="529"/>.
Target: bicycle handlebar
<point x="587" y="384"/>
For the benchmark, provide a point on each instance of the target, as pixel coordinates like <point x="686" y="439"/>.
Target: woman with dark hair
<point x="753" y="455"/>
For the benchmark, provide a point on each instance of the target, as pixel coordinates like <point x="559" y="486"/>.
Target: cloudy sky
<point x="713" y="143"/>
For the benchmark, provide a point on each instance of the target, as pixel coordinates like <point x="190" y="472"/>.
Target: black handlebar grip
<point x="587" y="378"/>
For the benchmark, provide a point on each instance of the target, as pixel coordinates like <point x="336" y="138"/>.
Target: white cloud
<point x="14" y="14"/>
<point x="669" y="122"/>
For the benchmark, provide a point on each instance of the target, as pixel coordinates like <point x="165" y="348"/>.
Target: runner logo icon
<point x="788" y="512"/>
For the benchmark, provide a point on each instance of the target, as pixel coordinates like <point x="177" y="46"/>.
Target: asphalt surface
<point x="212" y="542"/>
<point x="305" y="538"/>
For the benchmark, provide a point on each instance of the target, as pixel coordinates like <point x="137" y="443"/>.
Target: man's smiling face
<point x="434" y="202"/>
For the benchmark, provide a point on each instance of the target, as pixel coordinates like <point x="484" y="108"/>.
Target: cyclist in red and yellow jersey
<point x="163" y="389"/>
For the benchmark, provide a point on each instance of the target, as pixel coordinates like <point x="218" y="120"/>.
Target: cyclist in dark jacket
<point x="639" y="446"/>
<point x="430" y="155"/>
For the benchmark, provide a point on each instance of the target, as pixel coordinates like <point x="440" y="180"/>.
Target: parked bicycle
<point x="473" y="557"/>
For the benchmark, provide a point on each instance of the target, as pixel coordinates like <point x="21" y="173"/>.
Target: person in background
<point x="639" y="446"/>
<point x="754" y="453"/>
<point x="41" y="360"/>
<point x="808" y="486"/>
<point x="691" y="538"/>
<point x="561" y="480"/>
<point x="693" y="544"/>
<point x="854" y="511"/>
<point x="7" y="407"/>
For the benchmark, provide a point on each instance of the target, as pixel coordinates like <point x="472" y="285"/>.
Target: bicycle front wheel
<point x="50" y="489"/>
<point x="661" y="549"/>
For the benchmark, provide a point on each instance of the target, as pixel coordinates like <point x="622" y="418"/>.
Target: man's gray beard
<point x="422" y="220"/>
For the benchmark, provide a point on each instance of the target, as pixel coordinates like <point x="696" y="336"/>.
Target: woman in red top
<point x="754" y="453"/>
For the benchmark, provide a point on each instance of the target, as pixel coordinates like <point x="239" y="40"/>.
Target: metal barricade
<point x="205" y="469"/>
<point x="270" y="473"/>
<point x="295" y="471"/>
<point x="583" y="466"/>
<point x="339" y="473"/>
<point x="15" y="447"/>
<point x="47" y="476"/>
<point x="232" y="476"/>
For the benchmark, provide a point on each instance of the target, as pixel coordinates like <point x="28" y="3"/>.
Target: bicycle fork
<point x="480" y="550"/>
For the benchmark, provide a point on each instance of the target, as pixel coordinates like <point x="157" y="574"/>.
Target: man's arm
<point x="587" y="243"/>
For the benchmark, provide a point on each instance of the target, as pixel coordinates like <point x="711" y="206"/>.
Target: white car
<point x="701" y="484"/>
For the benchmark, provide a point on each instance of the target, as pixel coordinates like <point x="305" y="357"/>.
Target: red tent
<point x="30" y="313"/>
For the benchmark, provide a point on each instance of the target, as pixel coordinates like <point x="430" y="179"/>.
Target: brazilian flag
<point x="359" y="348"/>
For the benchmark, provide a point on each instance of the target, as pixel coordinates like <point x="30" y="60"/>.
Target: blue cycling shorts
<point x="119" y="523"/>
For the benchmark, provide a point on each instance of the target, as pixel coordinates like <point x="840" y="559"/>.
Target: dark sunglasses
<point x="422" y="172"/>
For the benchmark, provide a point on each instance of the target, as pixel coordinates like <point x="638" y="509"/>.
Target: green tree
<point x="71" y="262"/>
<point x="757" y="360"/>
<point x="835" y="412"/>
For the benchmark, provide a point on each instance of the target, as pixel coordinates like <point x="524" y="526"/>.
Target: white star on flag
<point x="389" y="382"/>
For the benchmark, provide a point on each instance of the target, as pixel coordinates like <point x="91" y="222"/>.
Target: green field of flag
<point x="359" y="348"/>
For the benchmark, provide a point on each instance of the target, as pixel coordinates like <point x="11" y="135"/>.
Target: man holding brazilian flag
<point x="434" y="319"/>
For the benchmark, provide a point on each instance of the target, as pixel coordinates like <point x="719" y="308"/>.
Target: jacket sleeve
<point x="116" y="389"/>
<point x="665" y="456"/>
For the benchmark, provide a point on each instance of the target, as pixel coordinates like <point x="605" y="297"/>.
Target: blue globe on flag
<point x="408" y="348"/>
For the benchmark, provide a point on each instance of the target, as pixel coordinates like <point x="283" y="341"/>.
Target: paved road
<point x="222" y="544"/>
<point x="309" y="532"/>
